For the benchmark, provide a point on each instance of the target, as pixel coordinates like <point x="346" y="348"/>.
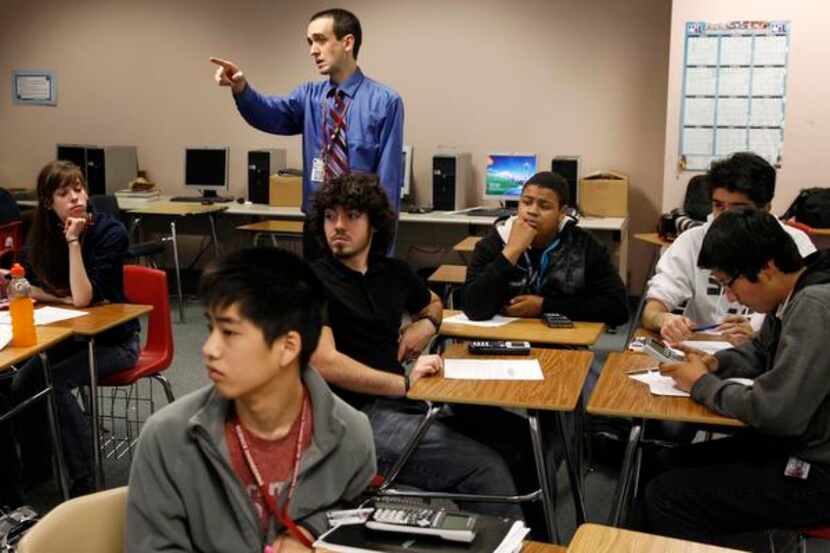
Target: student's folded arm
<point x="105" y="271"/>
<point x="783" y="400"/>
<point x="604" y="297"/>
<point x="674" y="276"/>
<point x="156" y="517"/>
<point x="486" y="288"/>
<point x="274" y="114"/>
<point x="345" y="372"/>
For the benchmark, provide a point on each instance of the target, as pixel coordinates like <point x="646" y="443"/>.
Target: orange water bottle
<point x="21" y="308"/>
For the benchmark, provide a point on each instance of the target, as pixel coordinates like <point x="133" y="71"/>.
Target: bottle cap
<point x="17" y="270"/>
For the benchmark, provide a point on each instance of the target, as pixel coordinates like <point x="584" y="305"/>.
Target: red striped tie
<point x="337" y="157"/>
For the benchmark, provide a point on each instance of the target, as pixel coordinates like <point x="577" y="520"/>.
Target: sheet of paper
<point x="770" y="50"/>
<point x="733" y="112"/>
<point x="493" y="369"/>
<point x="736" y="50"/>
<point x="48" y="314"/>
<point x="701" y="81"/>
<point x="707" y="346"/>
<point x="698" y="141"/>
<point x="768" y="81"/>
<point x="767" y="112"/>
<point x="497" y="320"/>
<point x="734" y="81"/>
<point x="5" y="335"/>
<point x="702" y="51"/>
<point x="699" y="111"/>
<point x="730" y="141"/>
<point x="658" y="384"/>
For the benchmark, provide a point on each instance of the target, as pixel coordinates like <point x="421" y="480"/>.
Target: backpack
<point x="811" y="207"/>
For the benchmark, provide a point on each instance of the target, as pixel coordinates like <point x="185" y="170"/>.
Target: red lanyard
<point x="280" y="515"/>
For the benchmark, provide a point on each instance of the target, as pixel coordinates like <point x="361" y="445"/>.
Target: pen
<point x="642" y="371"/>
<point x="705" y="327"/>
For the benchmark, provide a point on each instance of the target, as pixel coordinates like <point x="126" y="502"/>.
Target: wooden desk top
<point x="102" y="317"/>
<point x="594" y="538"/>
<point x="617" y="395"/>
<point x="532" y="330"/>
<point x="274" y="226"/>
<point x="652" y="238"/>
<point x="177" y="209"/>
<point x="564" y="370"/>
<point x="821" y="231"/>
<point x="46" y="337"/>
<point x="539" y="547"/>
<point x="467" y="245"/>
<point x="452" y="274"/>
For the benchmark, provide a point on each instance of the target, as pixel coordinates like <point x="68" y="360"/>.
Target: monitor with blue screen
<point x="506" y="174"/>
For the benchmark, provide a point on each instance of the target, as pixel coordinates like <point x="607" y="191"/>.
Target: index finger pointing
<point x="224" y="63"/>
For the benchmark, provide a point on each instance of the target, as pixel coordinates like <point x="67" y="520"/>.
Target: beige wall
<point x="555" y="77"/>
<point x="807" y="125"/>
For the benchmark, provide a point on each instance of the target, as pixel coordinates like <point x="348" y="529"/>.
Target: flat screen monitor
<point x="407" y="170"/>
<point x="206" y="169"/>
<point x="506" y="174"/>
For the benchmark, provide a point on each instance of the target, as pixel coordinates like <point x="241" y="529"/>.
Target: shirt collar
<point x="783" y="307"/>
<point x="349" y="86"/>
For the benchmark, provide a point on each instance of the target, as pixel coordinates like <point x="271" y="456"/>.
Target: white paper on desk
<point x="48" y="314"/>
<point x="493" y="369"/>
<point x="513" y="541"/>
<point x="658" y="384"/>
<point x="5" y="335"/>
<point x="707" y="346"/>
<point x="497" y="320"/>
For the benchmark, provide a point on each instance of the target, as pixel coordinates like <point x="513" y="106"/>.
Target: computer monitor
<point x="206" y="169"/>
<point x="407" y="171"/>
<point x="506" y="174"/>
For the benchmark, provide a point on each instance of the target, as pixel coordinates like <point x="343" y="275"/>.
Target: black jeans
<point x="709" y="491"/>
<point x="69" y="365"/>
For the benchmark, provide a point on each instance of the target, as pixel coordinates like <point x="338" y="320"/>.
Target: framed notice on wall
<point x="34" y="88"/>
<point x="734" y="91"/>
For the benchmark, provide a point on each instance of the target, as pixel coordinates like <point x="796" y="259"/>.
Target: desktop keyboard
<point x="200" y="199"/>
<point x="492" y="212"/>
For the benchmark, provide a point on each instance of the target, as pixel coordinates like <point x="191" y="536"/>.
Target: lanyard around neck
<point x="280" y="515"/>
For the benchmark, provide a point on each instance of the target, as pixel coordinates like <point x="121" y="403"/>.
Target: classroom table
<point x="277" y="229"/>
<point x="100" y="318"/>
<point x="541" y="547"/>
<point x="533" y="330"/>
<point x="10" y="355"/>
<point x="565" y="372"/>
<point x="466" y="247"/>
<point x="617" y="395"/>
<point x="595" y="538"/>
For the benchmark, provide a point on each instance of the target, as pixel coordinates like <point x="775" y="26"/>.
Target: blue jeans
<point x="69" y="366"/>
<point x="445" y="460"/>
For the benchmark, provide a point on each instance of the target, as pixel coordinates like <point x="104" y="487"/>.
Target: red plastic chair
<point x="143" y="285"/>
<point x="11" y="242"/>
<point x="821" y="533"/>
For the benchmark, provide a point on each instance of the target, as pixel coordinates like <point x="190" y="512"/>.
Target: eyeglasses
<point x="728" y="283"/>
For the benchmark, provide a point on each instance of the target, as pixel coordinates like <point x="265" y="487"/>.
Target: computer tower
<point x="106" y="169"/>
<point x="261" y="165"/>
<point x="451" y="174"/>
<point x="568" y="167"/>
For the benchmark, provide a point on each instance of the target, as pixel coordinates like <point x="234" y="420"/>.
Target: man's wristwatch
<point x="406" y="383"/>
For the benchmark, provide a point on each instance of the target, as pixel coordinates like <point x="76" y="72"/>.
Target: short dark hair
<point x="273" y="289"/>
<point x="345" y="23"/>
<point x="744" y="172"/>
<point x="742" y="241"/>
<point x="359" y="191"/>
<point x="551" y="181"/>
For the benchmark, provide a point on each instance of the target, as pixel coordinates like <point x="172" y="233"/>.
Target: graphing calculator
<point x="661" y="352"/>
<point x="557" y="320"/>
<point x="418" y="519"/>
<point x="499" y="347"/>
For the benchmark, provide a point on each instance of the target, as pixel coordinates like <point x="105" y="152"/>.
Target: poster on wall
<point x="734" y="91"/>
<point x="34" y="88"/>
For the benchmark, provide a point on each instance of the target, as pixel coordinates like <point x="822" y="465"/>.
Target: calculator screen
<point x="455" y="522"/>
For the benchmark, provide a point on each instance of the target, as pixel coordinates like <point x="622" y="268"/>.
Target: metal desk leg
<point x="619" y="506"/>
<point x="178" y="270"/>
<point x="426" y="422"/>
<point x="51" y="410"/>
<point x="98" y="466"/>
<point x="542" y="474"/>
<point x="574" y="472"/>
<point x="217" y="250"/>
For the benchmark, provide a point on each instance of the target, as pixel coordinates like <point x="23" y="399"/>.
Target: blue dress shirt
<point x="374" y="127"/>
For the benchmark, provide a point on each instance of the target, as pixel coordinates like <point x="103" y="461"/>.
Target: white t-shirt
<point x="678" y="279"/>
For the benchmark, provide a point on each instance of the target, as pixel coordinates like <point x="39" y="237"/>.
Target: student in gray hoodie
<point x="255" y="459"/>
<point x="777" y="473"/>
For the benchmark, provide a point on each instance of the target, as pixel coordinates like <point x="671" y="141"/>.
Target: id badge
<point x="796" y="468"/>
<point x="318" y="170"/>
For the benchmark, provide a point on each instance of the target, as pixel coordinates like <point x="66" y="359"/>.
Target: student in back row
<point x="776" y="473"/>
<point x="255" y="458"/>
<point x="539" y="261"/>
<point x="742" y="180"/>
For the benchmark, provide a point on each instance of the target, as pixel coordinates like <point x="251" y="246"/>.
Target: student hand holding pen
<point x="735" y="329"/>
<point x="685" y="374"/>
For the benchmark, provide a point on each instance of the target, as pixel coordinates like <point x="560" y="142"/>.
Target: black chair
<point x="148" y="250"/>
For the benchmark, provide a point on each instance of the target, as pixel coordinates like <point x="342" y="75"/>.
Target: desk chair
<point x="146" y="249"/>
<point x="452" y="277"/>
<point x="821" y="533"/>
<point x="142" y="285"/>
<point x="92" y="523"/>
<point x="11" y="243"/>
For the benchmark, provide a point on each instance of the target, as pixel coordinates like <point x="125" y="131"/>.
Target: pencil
<point x="641" y="371"/>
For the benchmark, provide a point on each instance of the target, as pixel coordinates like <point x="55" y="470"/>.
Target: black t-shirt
<point x="364" y="310"/>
